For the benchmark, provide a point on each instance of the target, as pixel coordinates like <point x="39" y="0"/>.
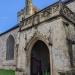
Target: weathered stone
<point x="52" y="30"/>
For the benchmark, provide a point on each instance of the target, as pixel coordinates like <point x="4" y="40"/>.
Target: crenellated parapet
<point x="50" y="12"/>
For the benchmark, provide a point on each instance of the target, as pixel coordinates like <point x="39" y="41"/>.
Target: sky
<point x="9" y="9"/>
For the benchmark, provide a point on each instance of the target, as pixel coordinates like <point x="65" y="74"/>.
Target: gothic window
<point x="73" y="52"/>
<point x="74" y="27"/>
<point x="66" y="26"/>
<point x="70" y="51"/>
<point x="10" y="48"/>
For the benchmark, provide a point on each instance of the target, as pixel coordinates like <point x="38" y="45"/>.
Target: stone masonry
<point x="55" y="26"/>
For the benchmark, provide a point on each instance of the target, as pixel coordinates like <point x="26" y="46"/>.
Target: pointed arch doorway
<point x="40" y="59"/>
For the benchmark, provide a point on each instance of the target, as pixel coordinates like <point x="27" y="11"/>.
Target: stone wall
<point x="52" y="32"/>
<point x="72" y="6"/>
<point x="7" y="64"/>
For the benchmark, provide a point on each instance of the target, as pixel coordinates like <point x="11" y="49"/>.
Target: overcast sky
<point x="9" y="9"/>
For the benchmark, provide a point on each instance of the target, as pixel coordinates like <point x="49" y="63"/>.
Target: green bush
<point x="7" y="72"/>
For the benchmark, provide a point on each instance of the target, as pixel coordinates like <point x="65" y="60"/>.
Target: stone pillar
<point x="28" y="4"/>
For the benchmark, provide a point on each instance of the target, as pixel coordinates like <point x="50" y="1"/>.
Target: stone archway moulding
<point x="37" y="36"/>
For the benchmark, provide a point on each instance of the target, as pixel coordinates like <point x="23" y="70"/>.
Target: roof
<point x="16" y="26"/>
<point x="68" y="1"/>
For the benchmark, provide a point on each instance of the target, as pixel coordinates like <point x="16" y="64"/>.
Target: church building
<point x="42" y="42"/>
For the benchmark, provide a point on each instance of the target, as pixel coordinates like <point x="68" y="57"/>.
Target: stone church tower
<point x="27" y="11"/>
<point x="28" y="4"/>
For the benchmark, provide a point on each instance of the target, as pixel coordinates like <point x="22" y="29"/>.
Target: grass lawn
<point x="7" y="72"/>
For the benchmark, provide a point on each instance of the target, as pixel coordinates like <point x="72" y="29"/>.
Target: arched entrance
<point x="40" y="59"/>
